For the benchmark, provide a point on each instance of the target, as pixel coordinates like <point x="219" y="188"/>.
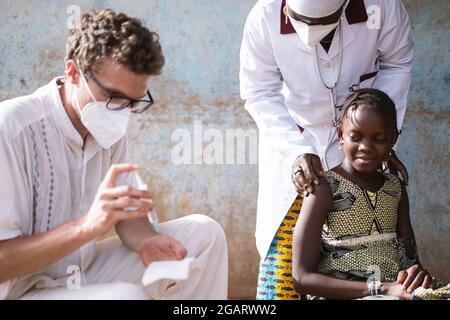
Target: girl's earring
<point x="340" y="147"/>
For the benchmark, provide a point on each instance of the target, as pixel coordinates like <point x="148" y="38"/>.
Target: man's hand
<point x="110" y="203"/>
<point x="306" y="171"/>
<point x="396" y="165"/>
<point x="161" y="248"/>
<point x="416" y="276"/>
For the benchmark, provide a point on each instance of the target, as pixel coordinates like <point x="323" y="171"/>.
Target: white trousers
<point x="116" y="272"/>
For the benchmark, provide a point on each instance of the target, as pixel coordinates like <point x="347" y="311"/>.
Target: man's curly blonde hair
<point x="105" y="33"/>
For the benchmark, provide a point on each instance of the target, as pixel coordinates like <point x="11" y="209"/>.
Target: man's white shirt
<point x="49" y="176"/>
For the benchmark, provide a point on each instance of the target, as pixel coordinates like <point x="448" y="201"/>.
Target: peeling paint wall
<point x="201" y="41"/>
<point x="424" y="144"/>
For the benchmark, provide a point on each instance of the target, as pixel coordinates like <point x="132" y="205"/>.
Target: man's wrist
<point x="82" y="232"/>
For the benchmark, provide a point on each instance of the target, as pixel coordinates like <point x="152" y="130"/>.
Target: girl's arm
<point x="415" y="276"/>
<point x="306" y="251"/>
<point x="405" y="232"/>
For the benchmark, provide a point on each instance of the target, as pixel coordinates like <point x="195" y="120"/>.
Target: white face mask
<point x="311" y="35"/>
<point x="106" y="126"/>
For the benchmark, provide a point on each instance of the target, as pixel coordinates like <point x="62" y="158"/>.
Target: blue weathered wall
<point x="201" y="40"/>
<point x="425" y="142"/>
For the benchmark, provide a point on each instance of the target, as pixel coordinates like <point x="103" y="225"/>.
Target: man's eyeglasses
<point x="117" y="103"/>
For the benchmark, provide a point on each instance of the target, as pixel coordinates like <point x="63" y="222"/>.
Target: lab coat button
<point x="327" y="65"/>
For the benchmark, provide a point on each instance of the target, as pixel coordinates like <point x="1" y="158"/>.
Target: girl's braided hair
<point x="373" y="99"/>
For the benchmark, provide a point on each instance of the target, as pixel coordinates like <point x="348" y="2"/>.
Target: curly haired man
<point x="67" y="181"/>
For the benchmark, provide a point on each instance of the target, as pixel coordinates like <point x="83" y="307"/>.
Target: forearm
<point x="410" y="250"/>
<point x="28" y="254"/>
<point x="134" y="233"/>
<point x="396" y="84"/>
<point x="405" y="231"/>
<point x="396" y="50"/>
<point x="320" y="285"/>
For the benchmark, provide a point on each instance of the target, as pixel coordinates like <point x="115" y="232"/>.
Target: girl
<point x="356" y="224"/>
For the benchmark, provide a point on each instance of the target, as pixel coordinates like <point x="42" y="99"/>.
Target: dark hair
<point x="373" y="99"/>
<point x="106" y="33"/>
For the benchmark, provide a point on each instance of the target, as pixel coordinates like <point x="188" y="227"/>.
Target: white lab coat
<point x="283" y="92"/>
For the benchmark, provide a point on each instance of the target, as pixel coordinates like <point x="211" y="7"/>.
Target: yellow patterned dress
<point x="358" y="241"/>
<point x="359" y="238"/>
<point x="359" y="235"/>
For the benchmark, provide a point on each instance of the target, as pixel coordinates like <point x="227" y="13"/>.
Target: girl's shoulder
<point x="392" y="185"/>
<point x="393" y="177"/>
<point x="333" y="180"/>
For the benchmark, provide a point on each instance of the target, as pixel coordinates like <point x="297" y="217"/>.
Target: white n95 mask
<point x="311" y="35"/>
<point x="105" y="125"/>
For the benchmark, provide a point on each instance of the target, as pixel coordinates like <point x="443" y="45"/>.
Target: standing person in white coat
<point x="300" y="59"/>
<point x="62" y="150"/>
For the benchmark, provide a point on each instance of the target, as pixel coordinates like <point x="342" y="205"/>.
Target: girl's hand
<point x="415" y="277"/>
<point x="395" y="290"/>
<point x="396" y="165"/>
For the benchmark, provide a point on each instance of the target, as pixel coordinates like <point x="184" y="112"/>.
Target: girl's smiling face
<point x="366" y="138"/>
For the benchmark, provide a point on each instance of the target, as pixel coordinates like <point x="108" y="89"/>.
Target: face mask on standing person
<point x="327" y="11"/>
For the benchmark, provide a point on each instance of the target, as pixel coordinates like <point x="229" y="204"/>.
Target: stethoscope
<point x="332" y="88"/>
